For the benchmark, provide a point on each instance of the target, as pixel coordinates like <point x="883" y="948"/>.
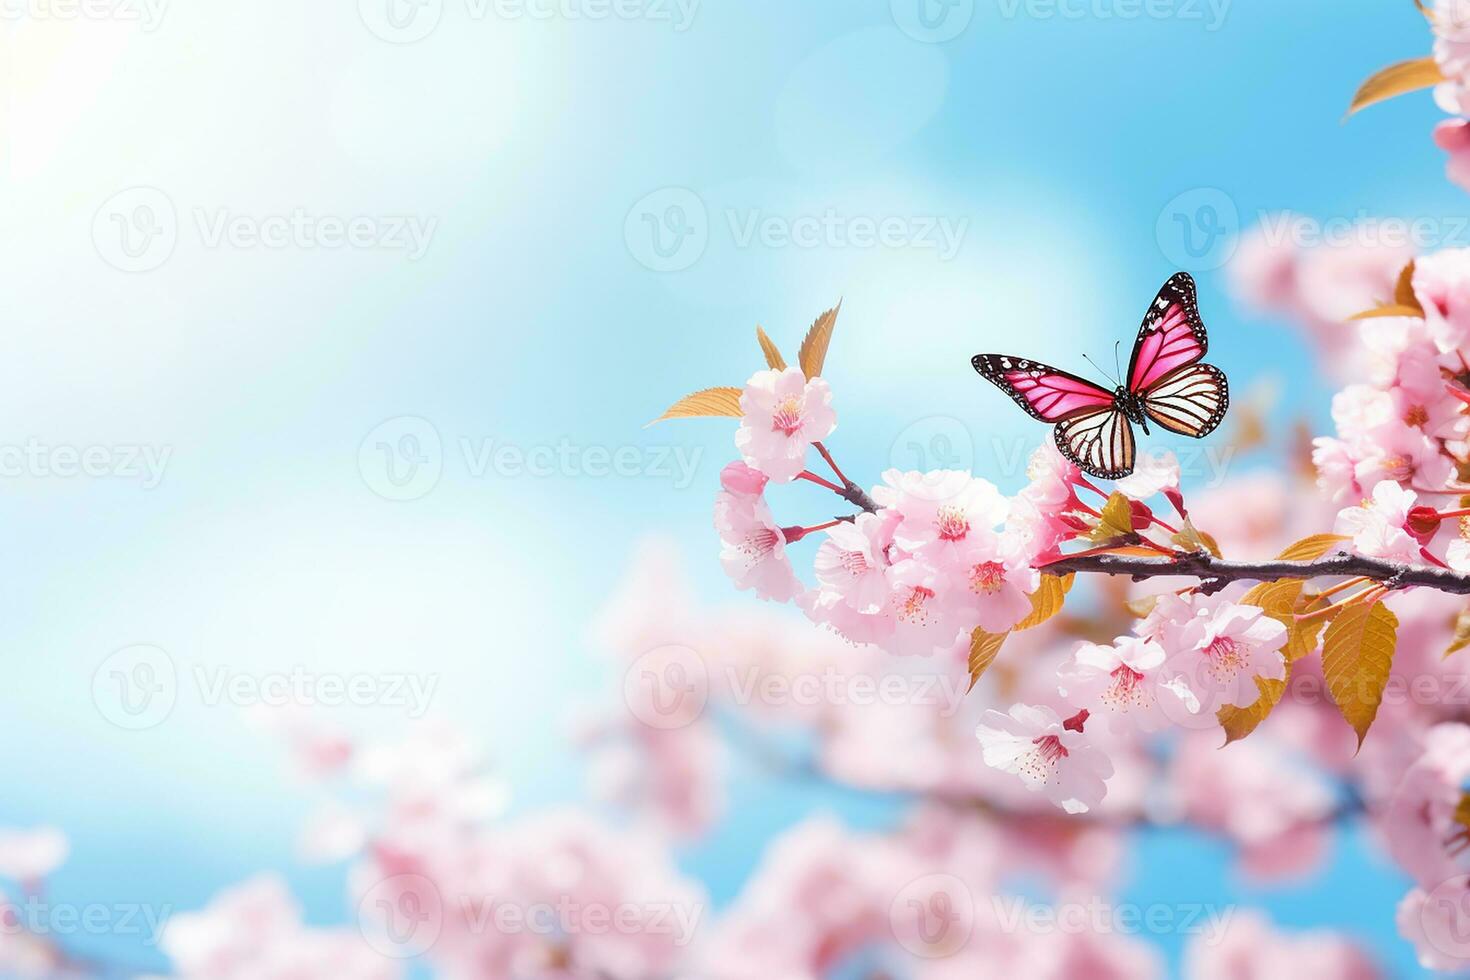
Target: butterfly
<point x="1165" y="382"/>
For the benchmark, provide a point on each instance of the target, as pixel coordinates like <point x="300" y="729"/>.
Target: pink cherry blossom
<point x="1436" y="923"/>
<point x="1423" y="826"/>
<point x="851" y="564"/>
<point x="1059" y="762"/>
<point x="1377" y="524"/>
<point x="783" y="413"/>
<point x="1153" y="473"/>
<point x="1041" y="515"/>
<point x="1120" y="681"/>
<point x="670" y="777"/>
<point x="28" y="856"/>
<point x="942" y="514"/>
<point x="996" y="582"/>
<point x="742" y="480"/>
<point x="921" y="606"/>
<point x="753" y="548"/>
<point x="1258" y="794"/>
<point x="1453" y="136"/>
<point x="1442" y="286"/>
<point x="254" y="932"/>
<point x="1252" y="949"/>
<point x="820" y="893"/>
<point x="1220" y="655"/>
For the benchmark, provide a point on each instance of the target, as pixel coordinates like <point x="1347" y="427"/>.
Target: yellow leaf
<point x="1135" y="551"/>
<point x="983" y="649"/>
<point x="774" y="360"/>
<point x="1302" y="639"/>
<point x="1240" y="722"/>
<point x="1399" y="79"/>
<point x="813" y="353"/>
<point x="1192" y="538"/>
<point x="1462" y="811"/>
<point x="1357" y="654"/>
<point x="707" y="403"/>
<point x="1462" y="633"/>
<point x="1312" y="548"/>
<point x="1141" y="607"/>
<point x="1279" y="600"/>
<point x="1117" y="520"/>
<point x="1047" y="600"/>
<point x="1393" y="309"/>
<point x="1403" y="290"/>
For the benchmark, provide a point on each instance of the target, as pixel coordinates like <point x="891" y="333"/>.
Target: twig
<point x="1216" y="573"/>
<point x="805" y="770"/>
<point x="849" y="491"/>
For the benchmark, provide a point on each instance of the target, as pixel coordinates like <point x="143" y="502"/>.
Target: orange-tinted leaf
<point x="710" y="402"/>
<point x="813" y="355"/>
<point x="774" y="360"/>
<point x="1395" y="80"/>
<point x="983" y="649"/>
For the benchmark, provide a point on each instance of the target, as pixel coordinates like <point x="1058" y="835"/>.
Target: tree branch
<point x="1216" y="573"/>
<point x="850" y="491"/>
<point x="806" y="770"/>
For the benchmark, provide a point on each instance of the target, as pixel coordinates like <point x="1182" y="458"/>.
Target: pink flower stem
<point x="1083" y="482"/>
<point x="813" y="478"/>
<point x="849" y="491"/>
<point x="832" y="463"/>
<point x="1424" y="553"/>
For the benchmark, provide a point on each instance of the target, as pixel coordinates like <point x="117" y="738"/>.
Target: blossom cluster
<point x="943" y="557"/>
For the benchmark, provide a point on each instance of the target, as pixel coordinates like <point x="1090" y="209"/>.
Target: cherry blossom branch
<point x="1216" y="573"/>
<point x="806" y="770"/>
<point x="849" y="491"/>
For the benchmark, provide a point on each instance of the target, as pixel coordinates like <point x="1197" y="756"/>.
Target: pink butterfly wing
<point x="1172" y="335"/>
<point x="1045" y="392"/>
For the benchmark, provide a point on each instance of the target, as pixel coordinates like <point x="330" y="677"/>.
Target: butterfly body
<point x="1131" y="406"/>
<point x="1165" y="382"/>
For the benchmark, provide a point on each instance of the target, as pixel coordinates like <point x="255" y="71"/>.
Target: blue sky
<point x="1029" y="169"/>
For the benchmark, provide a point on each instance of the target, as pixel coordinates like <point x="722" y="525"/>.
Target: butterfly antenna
<point x="1100" y="369"/>
<point x="1117" y="364"/>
